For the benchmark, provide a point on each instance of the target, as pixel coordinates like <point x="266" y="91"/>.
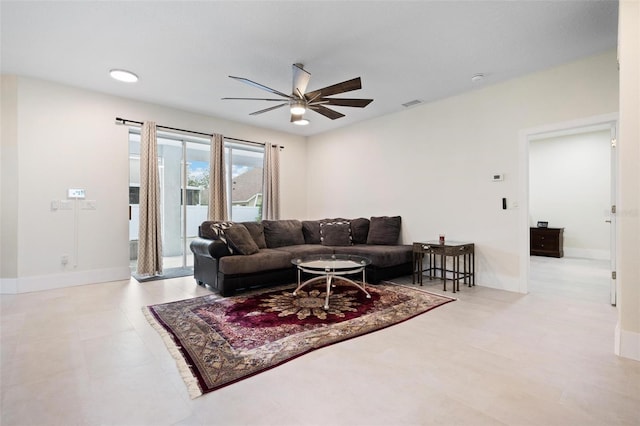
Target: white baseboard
<point x="67" y="279"/>
<point x="627" y="344"/>
<point x="8" y="285"/>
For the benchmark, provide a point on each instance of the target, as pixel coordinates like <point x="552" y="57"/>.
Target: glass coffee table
<point x="330" y="267"/>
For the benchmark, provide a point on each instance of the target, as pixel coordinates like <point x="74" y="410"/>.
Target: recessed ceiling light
<point x="301" y="122"/>
<point x="477" y="77"/>
<point x="123" y="75"/>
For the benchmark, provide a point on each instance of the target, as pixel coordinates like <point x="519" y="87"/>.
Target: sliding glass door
<point x="184" y="178"/>
<point x="183" y="164"/>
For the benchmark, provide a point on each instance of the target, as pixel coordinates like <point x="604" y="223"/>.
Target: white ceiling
<point x="403" y="51"/>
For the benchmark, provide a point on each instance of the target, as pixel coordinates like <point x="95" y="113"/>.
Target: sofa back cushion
<point x="311" y="231"/>
<point x="280" y="233"/>
<point x="240" y="240"/>
<point x="256" y="230"/>
<point x="359" y="230"/>
<point x="384" y="230"/>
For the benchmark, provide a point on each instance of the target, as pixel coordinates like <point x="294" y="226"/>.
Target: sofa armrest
<point x="214" y="249"/>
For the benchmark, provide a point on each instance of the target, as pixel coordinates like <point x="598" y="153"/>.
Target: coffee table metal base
<point x="329" y="276"/>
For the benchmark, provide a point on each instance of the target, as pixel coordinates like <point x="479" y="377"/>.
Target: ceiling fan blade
<point x="329" y="113"/>
<point x="260" y="86"/>
<point x="252" y="99"/>
<point x="269" y="109"/>
<point x="345" y="86"/>
<point x="358" y="103"/>
<point x="300" y="80"/>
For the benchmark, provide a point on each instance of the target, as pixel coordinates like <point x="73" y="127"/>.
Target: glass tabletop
<point x="334" y="262"/>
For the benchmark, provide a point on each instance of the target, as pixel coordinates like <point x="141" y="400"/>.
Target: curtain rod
<point x="140" y="123"/>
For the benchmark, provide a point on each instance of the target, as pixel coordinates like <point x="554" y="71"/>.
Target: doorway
<point x="568" y="180"/>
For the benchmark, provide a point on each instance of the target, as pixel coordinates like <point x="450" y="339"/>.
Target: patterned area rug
<point x="218" y="341"/>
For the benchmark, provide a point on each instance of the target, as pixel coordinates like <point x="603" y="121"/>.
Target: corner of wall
<point x="627" y="344"/>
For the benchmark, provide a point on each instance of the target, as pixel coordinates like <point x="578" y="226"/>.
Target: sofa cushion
<point x="381" y="256"/>
<point x="335" y="233"/>
<point x="305" y="250"/>
<point x="240" y="240"/>
<point x="359" y="230"/>
<point x="384" y="230"/>
<point x="311" y="231"/>
<point x="265" y="260"/>
<point x="279" y="233"/>
<point x="257" y="233"/>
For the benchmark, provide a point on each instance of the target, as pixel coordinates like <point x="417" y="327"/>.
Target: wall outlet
<point x="64" y="259"/>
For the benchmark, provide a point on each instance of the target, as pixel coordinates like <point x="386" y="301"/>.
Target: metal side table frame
<point x="434" y="251"/>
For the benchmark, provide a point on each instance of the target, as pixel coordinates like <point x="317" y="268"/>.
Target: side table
<point x="433" y="251"/>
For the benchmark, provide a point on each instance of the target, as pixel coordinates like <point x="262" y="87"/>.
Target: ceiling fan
<point x="299" y="101"/>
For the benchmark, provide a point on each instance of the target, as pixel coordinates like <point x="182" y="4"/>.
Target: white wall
<point x="570" y="187"/>
<point x="628" y="244"/>
<point x="66" y="138"/>
<point x="433" y="163"/>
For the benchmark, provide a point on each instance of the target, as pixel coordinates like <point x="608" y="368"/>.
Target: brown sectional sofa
<point x="231" y="256"/>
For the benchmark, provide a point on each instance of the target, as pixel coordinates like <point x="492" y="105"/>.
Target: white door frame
<point x="599" y="122"/>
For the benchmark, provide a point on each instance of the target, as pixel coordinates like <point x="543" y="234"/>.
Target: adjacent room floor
<point x="86" y="355"/>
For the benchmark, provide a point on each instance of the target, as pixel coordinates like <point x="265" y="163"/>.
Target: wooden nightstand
<point x="546" y="242"/>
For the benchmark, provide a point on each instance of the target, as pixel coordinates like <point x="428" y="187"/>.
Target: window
<point x="244" y="181"/>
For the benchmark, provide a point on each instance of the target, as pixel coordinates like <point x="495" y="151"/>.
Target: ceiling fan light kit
<point x="301" y="121"/>
<point x="300" y="101"/>
<point x="298" y="107"/>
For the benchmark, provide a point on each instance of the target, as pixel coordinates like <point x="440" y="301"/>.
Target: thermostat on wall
<point x="497" y="177"/>
<point x="75" y="193"/>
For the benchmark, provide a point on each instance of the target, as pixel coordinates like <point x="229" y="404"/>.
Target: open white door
<point x="612" y="214"/>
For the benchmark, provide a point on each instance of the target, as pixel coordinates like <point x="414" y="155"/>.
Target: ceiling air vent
<point x="412" y="103"/>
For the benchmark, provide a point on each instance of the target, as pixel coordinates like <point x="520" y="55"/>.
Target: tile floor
<point x="87" y="356"/>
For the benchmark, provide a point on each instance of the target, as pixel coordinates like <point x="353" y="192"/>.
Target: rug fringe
<point x="190" y="380"/>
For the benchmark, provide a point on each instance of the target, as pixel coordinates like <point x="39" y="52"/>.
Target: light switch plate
<point x="76" y="193"/>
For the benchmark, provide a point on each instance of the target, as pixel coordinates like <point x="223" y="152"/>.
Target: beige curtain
<point x="150" y="237"/>
<point x="271" y="193"/>
<point x="217" y="174"/>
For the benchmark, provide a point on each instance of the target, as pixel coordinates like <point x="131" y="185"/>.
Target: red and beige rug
<point x="219" y="341"/>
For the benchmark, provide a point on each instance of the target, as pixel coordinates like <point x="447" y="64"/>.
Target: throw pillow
<point x="205" y="230"/>
<point x="384" y="230"/>
<point x="257" y="233"/>
<point x="335" y="233"/>
<point x="217" y="230"/>
<point x="240" y="240"/>
<point x="280" y="233"/>
<point x="360" y="230"/>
